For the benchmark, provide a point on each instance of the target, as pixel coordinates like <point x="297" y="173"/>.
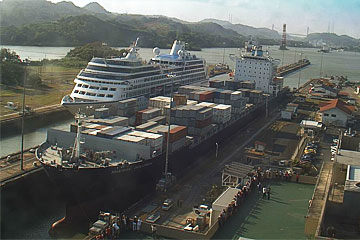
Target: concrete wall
<point x="311" y="225"/>
<point x="305" y="179"/>
<point x="339" y="174"/>
<point x="124" y="150"/>
<point x="339" y="120"/>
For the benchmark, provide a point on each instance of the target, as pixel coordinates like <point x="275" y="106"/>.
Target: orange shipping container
<point x="176" y="134"/>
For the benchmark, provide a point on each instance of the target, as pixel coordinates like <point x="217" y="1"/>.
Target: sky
<point x="339" y="16"/>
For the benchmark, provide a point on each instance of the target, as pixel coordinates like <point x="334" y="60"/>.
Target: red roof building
<point x="336" y="112"/>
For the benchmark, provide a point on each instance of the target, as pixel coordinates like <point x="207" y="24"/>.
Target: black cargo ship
<point x="87" y="190"/>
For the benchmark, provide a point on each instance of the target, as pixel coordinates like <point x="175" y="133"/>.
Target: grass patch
<point x="57" y="82"/>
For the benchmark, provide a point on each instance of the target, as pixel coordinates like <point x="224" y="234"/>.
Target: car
<point x="311" y="149"/>
<point x="335" y="140"/>
<point x="310" y="144"/>
<point x="153" y="218"/>
<point x="205" y="209"/>
<point x="334" y="147"/>
<point x="332" y="158"/>
<point x="307" y="151"/>
<point x="167" y="204"/>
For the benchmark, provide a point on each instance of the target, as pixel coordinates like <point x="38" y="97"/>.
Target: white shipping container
<point x="132" y="139"/>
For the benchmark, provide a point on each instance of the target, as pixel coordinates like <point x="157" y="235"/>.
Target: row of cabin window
<point x="136" y="81"/>
<point x="93" y="94"/>
<point x="93" y="87"/>
<point x="332" y="115"/>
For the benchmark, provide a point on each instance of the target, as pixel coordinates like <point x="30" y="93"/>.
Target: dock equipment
<point x="234" y="173"/>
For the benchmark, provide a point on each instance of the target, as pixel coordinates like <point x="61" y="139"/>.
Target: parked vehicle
<point x="167" y="204"/>
<point x="153" y="218"/>
<point x="202" y="209"/>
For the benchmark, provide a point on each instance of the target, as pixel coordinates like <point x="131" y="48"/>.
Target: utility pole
<point x="299" y="72"/>
<point x="217" y="149"/>
<point x="321" y="63"/>
<point x="26" y="61"/>
<point x="170" y="76"/>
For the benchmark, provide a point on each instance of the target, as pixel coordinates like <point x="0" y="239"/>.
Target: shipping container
<point x="101" y="112"/>
<point x="146" y="126"/>
<point x="113" y="132"/>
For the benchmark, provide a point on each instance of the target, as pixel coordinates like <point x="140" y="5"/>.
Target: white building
<point x="258" y="69"/>
<point x="336" y="112"/>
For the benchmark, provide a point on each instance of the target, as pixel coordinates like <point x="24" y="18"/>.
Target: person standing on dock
<point x="134" y="225"/>
<point x="264" y="192"/>
<point x="268" y="192"/>
<point x="116" y="229"/>
<point x="153" y="231"/>
<point x="139" y="224"/>
<point x="259" y="188"/>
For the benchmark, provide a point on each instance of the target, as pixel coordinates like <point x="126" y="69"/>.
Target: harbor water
<point x="333" y="63"/>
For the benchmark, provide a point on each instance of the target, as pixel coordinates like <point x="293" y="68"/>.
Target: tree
<point x="12" y="71"/>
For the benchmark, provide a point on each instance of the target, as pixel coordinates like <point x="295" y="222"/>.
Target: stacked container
<point x="221" y="113"/>
<point x="110" y="121"/>
<point x="132" y="139"/>
<point x="151" y="139"/>
<point x="216" y="83"/>
<point x="232" y="85"/>
<point x="113" y="132"/>
<point x="146" y="126"/>
<point x="143" y="116"/>
<point x="247" y="85"/>
<point x="127" y="107"/>
<point x="177" y="136"/>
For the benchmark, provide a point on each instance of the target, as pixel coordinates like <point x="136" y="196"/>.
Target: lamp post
<point x="224" y="54"/>
<point x="170" y="76"/>
<point x="321" y="63"/>
<point x="217" y="149"/>
<point x="299" y="72"/>
<point x="26" y="62"/>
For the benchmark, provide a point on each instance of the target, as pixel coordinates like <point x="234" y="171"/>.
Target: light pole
<point x="299" y="72"/>
<point x="170" y="76"/>
<point x="224" y="54"/>
<point x="26" y="61"/>
<point x="217" y="149"/>
<point x="295" y="55"/>
<point x="321" y="63"/>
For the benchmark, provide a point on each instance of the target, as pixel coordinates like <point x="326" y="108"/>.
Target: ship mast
<point x="77" y="148"/>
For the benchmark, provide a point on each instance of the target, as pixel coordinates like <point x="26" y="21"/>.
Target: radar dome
<point x="156" y="51"/>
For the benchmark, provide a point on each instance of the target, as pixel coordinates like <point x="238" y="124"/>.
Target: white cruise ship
<point x="106" y="81"/>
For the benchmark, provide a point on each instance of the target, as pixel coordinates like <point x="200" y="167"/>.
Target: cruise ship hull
<point x="88" y="108"/>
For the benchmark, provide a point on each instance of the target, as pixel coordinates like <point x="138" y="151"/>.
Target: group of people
<point x="241" y="195"/>
<point x="117" y="225"/>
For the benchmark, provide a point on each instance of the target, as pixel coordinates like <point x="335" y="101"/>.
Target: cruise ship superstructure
<point x="105" y="81"/>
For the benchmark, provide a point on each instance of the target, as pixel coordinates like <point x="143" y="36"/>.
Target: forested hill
<point x="79" y="30"/>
